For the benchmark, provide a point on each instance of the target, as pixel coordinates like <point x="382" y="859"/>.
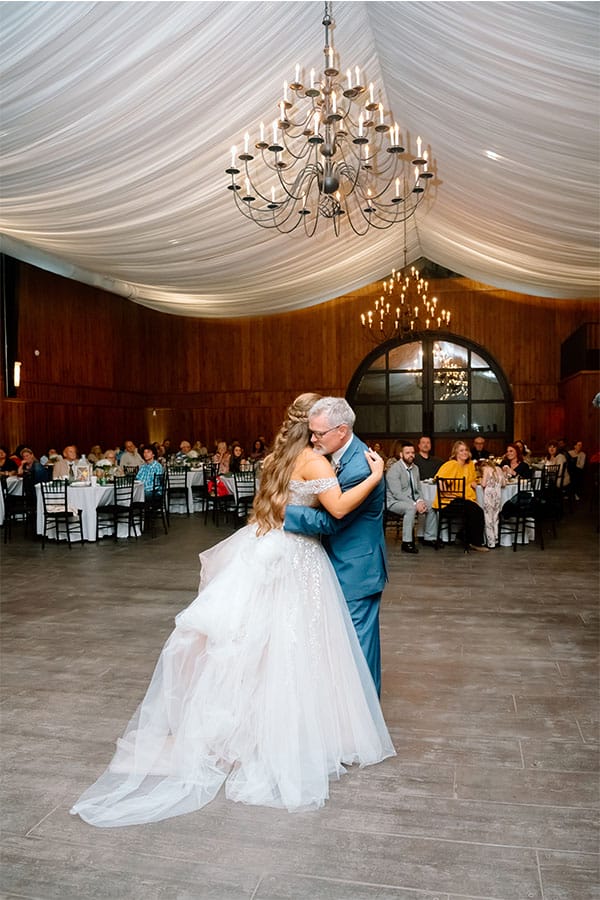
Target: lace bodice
<point x="304" y="493"/>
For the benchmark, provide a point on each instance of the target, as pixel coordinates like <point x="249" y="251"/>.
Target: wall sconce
<point x="153" y="412"/>
<point x="17" y="374"/>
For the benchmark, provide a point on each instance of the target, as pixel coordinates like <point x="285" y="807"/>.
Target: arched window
<point x="439" y="385"/>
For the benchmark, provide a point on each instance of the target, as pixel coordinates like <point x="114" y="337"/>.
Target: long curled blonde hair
<point x="268" y="510"/>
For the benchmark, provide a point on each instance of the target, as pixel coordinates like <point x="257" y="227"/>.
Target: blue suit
<point x="356" y="547"/>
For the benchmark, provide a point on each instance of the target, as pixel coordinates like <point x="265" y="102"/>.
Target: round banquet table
<point x="508" y="491"/>
<point x="87" y="498"/>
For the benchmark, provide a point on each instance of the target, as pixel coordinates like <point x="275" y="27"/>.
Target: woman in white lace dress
<point x="262" y="686"/>
<point x="492" y="482"/>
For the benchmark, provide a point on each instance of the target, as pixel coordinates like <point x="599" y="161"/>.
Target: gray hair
<point x="337" y="410"/>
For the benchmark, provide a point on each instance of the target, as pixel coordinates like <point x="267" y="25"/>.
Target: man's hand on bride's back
<point x="376" y="463"/>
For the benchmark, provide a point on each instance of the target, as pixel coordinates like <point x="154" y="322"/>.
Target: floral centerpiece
<point x="193" y="459"/>
<point x="103" y="467"/>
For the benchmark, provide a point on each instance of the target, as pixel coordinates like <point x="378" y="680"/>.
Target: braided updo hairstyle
<point x="293" y="436"/>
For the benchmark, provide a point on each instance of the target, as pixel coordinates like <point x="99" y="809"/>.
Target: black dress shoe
<point x="408" y="548"/>
<point x="433" y="544"/>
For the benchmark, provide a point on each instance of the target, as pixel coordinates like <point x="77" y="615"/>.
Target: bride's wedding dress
<point x="261" y="686"/>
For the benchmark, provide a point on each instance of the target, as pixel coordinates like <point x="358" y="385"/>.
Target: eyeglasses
<point x="320" y="434"/>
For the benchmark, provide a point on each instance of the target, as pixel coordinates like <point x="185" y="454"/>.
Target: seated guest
<point x="222" y="457"/>
<point x="460" y="465"/>
<point x="554" y="457"/>
<point x="160" y="453"/>
<point x="7" y="465"/>
<point x="377" y="448"/>
<point x="31" y="468"/>
<point x="576" y="465"/>
<point x="492" y="482"/>
<point x="258" y="450"/>
<point x="424" y="461"/>
<point x="149" y="468"/>
<point x="184" y="449"/>
<point x="394" y="456"/>
<point x="16" y="456"/>
<point x="130" y="457"/>
<point x="525" y="452"/>
<point x="50" y="457"/>
<point x="478" y="450"/>
<point x="237" y="457"/>
<point x="95" y="453"/>
<point x="67" y="466"/>
<point x="404" y="495"/>
<point x="513" y="463"/>
<point x="115" y="468"/>
<point x="200" y="449"/>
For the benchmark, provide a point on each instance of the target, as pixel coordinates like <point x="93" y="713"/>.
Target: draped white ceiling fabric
<point x="117" y="121"/>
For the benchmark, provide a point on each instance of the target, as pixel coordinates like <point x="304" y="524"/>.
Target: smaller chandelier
<point x="402" y="308"/>
<point x="329" y="155"/>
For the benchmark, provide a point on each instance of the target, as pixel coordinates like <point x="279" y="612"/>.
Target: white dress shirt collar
<point x="337" y="456"/>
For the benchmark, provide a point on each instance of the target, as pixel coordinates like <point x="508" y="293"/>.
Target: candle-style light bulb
<point x="297" y="73"/>
<point x="381" y="113"/>
<point x="371" y="93"/>
<point x="233" y="153"/>
<point x="262" y="132"/>
<point x="419" y="147"/>
<point x="246" y="142"/>
<point x="349" y="78"/>
<point x="312" y="78"/>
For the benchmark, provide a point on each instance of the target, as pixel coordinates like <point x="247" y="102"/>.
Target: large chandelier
<point x="404" y="307"/>
<point x="330" y="154"/>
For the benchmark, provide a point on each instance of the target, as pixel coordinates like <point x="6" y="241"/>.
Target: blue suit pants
<point x="365" y="617"/>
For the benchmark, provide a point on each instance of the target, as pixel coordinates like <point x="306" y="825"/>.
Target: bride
<point x="262" y="685"/>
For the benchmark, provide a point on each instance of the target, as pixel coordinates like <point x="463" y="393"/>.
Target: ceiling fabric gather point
<point x="117" y="121"/>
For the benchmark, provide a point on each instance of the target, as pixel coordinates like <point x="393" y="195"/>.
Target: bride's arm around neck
<point x="312" y="466"/>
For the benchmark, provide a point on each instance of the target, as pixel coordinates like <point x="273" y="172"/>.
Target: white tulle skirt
<point x="261" y="686"/>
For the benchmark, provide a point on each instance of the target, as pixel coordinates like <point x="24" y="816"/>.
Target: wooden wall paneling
<point x="113" y="360"/>
<point x="582" y="419"/>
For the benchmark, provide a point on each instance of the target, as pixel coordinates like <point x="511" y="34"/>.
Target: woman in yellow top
<point x="460" y="465"/>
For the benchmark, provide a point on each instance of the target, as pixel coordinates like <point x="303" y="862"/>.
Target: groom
<point x="355" y="544"/>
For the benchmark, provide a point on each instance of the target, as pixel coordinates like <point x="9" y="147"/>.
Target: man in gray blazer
<point x="404" y="495"/>
<point x="355" y="544"/>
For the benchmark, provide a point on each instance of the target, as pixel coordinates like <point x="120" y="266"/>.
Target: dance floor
<point x="490" y="690"/>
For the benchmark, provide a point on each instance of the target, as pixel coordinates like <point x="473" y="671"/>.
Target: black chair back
<point x="56" y="511"/>
<point x="452" y="510"/>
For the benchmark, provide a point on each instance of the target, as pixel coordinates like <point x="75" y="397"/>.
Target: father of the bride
<point x="355" y="544"/>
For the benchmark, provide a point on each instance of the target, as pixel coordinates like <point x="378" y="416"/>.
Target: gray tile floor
<point x="490" y="692"/>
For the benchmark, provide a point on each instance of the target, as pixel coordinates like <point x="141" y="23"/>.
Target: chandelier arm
<point x="292" y="189"/>
<point x="278" y="224"/>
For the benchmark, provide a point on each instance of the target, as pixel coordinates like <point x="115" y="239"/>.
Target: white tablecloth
<point x="506" y="540"/>
<point x="14" y="485"/>
<point x="87" y="499"/>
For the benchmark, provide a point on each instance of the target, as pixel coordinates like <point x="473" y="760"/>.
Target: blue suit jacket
<point x="355" y="544"/>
